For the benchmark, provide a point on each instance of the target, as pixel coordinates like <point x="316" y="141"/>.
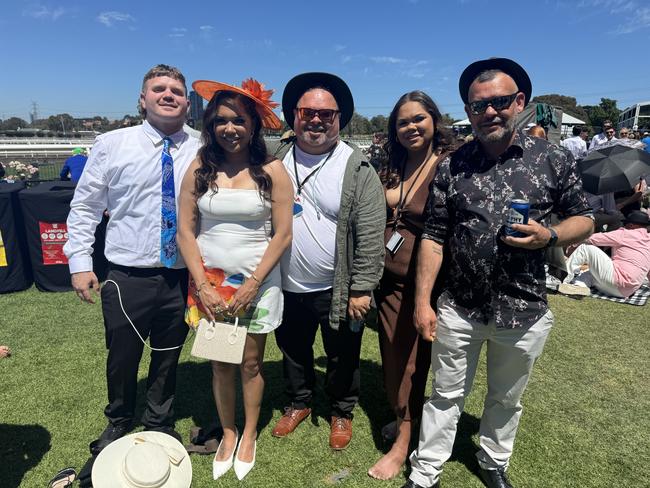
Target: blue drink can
<point x="517" y="214"/>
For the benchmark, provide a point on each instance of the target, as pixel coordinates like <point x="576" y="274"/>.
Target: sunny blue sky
<point x="88" y="58"/>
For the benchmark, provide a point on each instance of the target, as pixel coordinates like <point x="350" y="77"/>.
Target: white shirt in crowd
<point x="124" y="176"/>
<point x="599" y="139"/>
<point x="576" y="145"/>
<point x="309" y="264"/>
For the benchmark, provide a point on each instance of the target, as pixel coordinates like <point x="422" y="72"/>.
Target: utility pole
<point x="34" y="113"/>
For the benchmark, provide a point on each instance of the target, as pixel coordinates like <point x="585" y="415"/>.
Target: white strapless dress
<point x="235" y="230"/>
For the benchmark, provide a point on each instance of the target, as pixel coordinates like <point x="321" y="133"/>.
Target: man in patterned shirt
<point x="495" y="287"/>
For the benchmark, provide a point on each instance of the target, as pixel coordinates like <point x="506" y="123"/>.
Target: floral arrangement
<point x="20" y="171"/>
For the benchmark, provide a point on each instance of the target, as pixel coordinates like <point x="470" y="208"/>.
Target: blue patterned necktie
<point x="168" y="249"/>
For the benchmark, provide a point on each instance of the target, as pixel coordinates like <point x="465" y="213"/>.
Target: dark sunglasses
<point x="326" y="115"/>
<point x="497" y="103"/>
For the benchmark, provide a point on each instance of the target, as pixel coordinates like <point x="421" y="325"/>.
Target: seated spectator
<point x="577" y="144"/>
<point x="607" y="217"/>
<point x="618" y="276"/>
<point x="74" y="165"/>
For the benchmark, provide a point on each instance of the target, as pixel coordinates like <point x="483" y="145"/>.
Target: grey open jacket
<point x="359" y="260"/>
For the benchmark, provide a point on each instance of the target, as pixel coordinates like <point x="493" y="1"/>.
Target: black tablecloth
<point x="15" y="268"/>
<point x="45" y="209"/>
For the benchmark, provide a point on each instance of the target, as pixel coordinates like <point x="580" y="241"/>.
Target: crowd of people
<point x="301" y="235"/>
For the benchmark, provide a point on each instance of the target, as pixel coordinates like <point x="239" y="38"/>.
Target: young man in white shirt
<point x="135" y="174"/>
<point x="577" y="144"/>
<point x="608" y="134"/>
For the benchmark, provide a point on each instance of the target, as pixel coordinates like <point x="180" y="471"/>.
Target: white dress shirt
<point x="124" y="176"/>
<point x="576" y="145"/>
<point x="599" y="139"/>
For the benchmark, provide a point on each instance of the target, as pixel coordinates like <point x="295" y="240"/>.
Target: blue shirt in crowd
<point x="74" y="166"/>
<point x="646" y="141"/>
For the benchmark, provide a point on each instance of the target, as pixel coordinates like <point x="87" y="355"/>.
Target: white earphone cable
<point x="119" y="297"/>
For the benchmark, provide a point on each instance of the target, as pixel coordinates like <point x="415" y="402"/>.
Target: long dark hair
<point x="211" y="155"/>
<point x="443" y="141"/>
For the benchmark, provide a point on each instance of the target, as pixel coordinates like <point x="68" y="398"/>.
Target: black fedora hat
<point x="637" y="217"/>
<point x="508" y="66"/>
<point x="301" y="83"/>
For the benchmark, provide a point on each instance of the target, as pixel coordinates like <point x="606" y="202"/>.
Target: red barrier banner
<point x="53" y="237"/>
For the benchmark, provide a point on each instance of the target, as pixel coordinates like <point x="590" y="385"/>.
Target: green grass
<point x="585" y="421"/>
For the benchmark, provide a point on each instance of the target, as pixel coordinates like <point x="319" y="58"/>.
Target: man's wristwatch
<point x="553" y="239"/>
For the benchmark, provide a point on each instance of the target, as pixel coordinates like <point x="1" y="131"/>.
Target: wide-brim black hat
<point x="508" y="66"/>
<point x="299" y="84"/>
<point x="637" y="217"/>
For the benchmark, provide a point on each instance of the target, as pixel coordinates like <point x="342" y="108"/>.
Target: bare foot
<point x="226" y="447"/>
<point x="246" y="451"/>
<point x="4" y="352"/>
<point x="392" y="462"/>
<point x="390" y="465"/>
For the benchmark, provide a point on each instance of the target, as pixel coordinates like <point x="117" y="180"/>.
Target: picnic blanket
<point x="639" y="297"/>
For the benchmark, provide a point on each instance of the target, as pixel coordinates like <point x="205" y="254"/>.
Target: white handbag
<point x="220" y="341"/>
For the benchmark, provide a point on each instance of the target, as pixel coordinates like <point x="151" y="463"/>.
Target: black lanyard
<point x="401" y="202"/>
<point x="299" y="183"/>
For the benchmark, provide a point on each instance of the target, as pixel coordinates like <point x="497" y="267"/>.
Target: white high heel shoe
<point x="241" y="468"/>
<point x="219" y="468"/>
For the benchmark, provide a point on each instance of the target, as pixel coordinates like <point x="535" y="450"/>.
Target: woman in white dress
<point x="238" y="201"/>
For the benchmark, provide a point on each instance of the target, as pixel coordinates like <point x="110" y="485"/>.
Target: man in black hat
<point x="337" y="254"/>
<point x="495" y="286"/>
<point x="622" y="274"/>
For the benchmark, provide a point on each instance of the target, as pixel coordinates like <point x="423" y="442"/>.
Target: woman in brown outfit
<point x="416" y="142"/>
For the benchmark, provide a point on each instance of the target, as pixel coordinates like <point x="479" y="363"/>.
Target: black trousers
<point x="303" y="312"/>
<point x="154" y="299"/>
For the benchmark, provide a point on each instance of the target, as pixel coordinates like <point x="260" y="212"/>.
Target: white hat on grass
<point x="143" y="460"/>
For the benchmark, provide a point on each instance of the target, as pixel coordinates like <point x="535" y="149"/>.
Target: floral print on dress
<point x="226" y="286"/>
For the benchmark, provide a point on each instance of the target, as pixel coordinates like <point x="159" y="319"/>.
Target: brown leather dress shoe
<point x="340" y="433"/>
<point x="289" y="421"/>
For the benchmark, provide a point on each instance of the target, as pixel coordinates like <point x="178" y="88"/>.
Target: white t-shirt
<point x="309" y="264"/>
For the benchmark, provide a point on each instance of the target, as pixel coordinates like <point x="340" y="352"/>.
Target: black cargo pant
<point x="303" y="313"/>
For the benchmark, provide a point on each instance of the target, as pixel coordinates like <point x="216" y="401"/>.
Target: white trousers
<point x="601" y="269"/>
<point x="511" y="354"/>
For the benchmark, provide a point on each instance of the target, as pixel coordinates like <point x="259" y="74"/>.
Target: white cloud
<point x="346" y="59"/>
<point x="635" y="15"/>
<point x="109" y="19"/>
<point x="387" y="60"/>
<point x="39" y="11"/>
<point x="339" y="47"/>
<point x="206" y="28"/>
<point x="177" y="32"/>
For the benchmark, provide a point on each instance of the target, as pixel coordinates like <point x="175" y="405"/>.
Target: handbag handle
<point x="232" y="337"/>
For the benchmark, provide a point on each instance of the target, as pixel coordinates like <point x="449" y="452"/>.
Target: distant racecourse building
<point x="196" y="108"/>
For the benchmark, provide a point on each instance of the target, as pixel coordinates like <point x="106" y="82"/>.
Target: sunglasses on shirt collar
<point x="497" y="103"/>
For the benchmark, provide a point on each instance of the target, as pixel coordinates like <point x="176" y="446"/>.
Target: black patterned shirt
<point x="467" y="209"/>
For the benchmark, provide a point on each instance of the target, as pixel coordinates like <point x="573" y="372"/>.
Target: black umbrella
<point x="614" y="168"/>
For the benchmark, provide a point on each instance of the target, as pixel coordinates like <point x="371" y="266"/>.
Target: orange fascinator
<point x="250" y="88"/>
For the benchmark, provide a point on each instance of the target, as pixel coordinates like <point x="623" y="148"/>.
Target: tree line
<point x="593" y="115"/>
